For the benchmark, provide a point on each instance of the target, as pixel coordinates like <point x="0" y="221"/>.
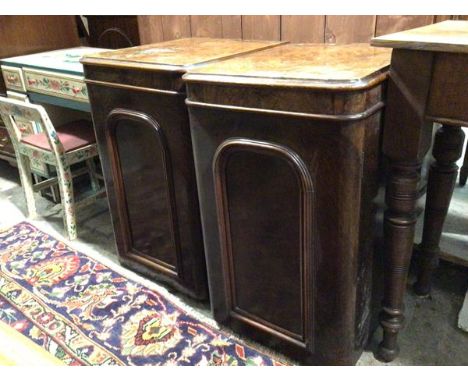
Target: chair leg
<point x="92" y="174"/>
<point x="27" y="184"/>
<point x="65" y="181"/>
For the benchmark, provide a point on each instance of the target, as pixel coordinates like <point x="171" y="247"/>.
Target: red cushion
<point x="73" y="135"/>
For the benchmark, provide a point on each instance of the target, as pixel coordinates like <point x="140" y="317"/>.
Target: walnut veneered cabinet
<point x="137" y="100"/>
<point x="286" y="147"/>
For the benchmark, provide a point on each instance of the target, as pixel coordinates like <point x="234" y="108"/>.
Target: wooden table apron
<point x="286" y="200"/>
<point x="424" y="87"/>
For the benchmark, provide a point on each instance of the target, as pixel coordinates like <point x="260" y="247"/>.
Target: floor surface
<point x="430" y="336"/>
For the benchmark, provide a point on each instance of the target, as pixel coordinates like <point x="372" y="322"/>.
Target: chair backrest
<point x="11" y="109"/>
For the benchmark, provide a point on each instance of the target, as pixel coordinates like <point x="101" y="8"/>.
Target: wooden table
<point x="428" y="83"/>
<point x="286" y="146"/>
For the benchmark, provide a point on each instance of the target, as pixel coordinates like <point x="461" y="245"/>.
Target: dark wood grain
<point x="151" y="233"/>
<point x="405" y="149"/>
<point x="399" y="222"/>
<point x="416" y="99"/>
<point x="143" y="134"/>
<point x="271" y="210"/>
<point x="448" y="148"/>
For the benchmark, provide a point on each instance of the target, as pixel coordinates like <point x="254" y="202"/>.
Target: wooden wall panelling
<point x="391" y="23"/>
<point x="175" y="27"/>
<point x="261" y="27"/>
<point x="150" y="29"/>
<point x="206" y="26"/>
<point x="298" y="29"/>
<point x="113" y="32"/>
<point x="439" y="18"/>
<point x="232" y="26"/>
<point x="30" y="34"/>
<point x="349" y="29"/>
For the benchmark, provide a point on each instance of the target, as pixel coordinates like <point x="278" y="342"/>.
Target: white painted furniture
<point x="61" y="148"/>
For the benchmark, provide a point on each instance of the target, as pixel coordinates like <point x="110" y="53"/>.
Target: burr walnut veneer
<point x="428" y="82"/>
<point x="286" y="145"/>
<point x="137" y="101"/>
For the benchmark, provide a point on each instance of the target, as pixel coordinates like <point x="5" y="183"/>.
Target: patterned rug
<point x="85" y="313"/>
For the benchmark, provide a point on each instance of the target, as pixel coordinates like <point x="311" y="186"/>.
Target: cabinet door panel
<point x="142" y="170"/>
<point x="264" y="199"/>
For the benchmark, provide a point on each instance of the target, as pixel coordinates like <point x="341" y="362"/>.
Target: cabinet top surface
<point x="300" y="64"/>
<point x="447" y="36"/>
<point x="62" y="60"/>
<point x="176" y="54"/>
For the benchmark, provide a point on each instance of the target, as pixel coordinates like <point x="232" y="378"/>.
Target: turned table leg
<point x="400" y="218"/>
<point x="448" y="147"/>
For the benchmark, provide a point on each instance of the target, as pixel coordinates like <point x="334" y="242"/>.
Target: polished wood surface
<point x="435" y="92"/>
<point x="142" y="130"/>
<point x="281" y="173"/>
<point x="447" y="36"/>
<point x="354" y="64"/>
<point x="177" y="54"/>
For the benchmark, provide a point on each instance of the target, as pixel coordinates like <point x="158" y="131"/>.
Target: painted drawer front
<point x="13" y="78"/>
<point x="58" y="85"/>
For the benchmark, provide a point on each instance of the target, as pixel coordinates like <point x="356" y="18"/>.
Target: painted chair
<point x="63" y="147"/>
